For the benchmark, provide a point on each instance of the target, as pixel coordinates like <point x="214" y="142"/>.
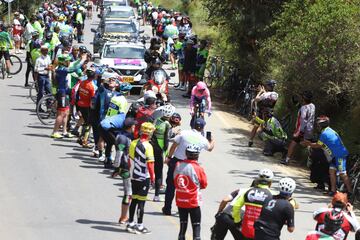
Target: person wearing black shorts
<point x="276" y="213"/>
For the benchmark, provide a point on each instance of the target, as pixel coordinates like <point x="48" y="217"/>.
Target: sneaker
<point x="183" y="88"/>
<point x="102" y="158"/>
<point x="131" y="228"/>
<point x="26" y="85"/>
<point x="162" y="190"/>
<point x="9" y="76"/>
<point x="87" y="145"/>
<point x="284" y="162"/>
<point x="158" y="199"/>
<point x="142" y="230"/>
<point x="166" y="212"/>
<point x="250" y="143"/>
<point x="68" y="135"/>
<point x="56" y="135"/>
<point x="331" y="193"/>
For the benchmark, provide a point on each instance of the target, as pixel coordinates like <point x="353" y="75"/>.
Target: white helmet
<point x="167" y="110"/>
<point x="149" y="94"/>
<point x="287" y="186"/>
<point x="265" y="175"/>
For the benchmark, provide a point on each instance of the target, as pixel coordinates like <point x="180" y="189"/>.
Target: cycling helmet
<point x="287" y="186"/>
<point x="167" y="110"/>
<point x="125" y="87"/>
<point x="175" y="119"/>
<point x="265" y="176"/>
<point x="323" y="121"/>
<point x="62" y="17"/>
<point x="149" y="94"/>
<point x="83" y="49"/>
<point x="333" y="221"/>
<point x="270" y="83"/>
<point x="147" y="128"/>
<point x="192" y="151"/>
<point x="62" y="58"/>
<point x="49" y="36"/>
<point x="307" y="96"/>
<point x="201" y="86"/>
<point x="339" y="200"/>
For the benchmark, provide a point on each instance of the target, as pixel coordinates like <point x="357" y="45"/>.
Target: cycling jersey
<point x="86" y="93"/>
<point x="61" y="73"/>
<point x="332" y="143"/>
<point x="197" y="95"/>
<point x="305" y="121"/>
<point x="141" y="153"/>
<point x="272" y="130"/>
<point x="144" y="114"/>
<point x="189" y="178"/>
<point x="189" y="137"/>
<point x="274" y="215"/>
<point x="317" y="235"/>
<point x="267" y="100"/>
<point x="5" y="41"/>
<point x="253" y="200"/>
<point x="104" y="96"/>
<point x="349" y="224"/>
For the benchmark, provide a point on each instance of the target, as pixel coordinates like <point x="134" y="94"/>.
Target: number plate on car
<point x="128" y="79"/>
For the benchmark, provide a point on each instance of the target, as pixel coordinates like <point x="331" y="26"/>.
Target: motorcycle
<point x="159" y="83"/>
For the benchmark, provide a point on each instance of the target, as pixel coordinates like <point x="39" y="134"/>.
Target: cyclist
<point x="85" y="101"/>
<point x="160" y="143"/>
<point x="276" y="212"/>
<point x="200" y="95"/>
<point x="63" y="92"/>
<point x="5" y="45"/>
<point x="349" y="223"/>
<point x="266" y="98"/>
<point x="42" y="69"/>
<point x="272" y="134"/>
<point x="142" y="153"/>
<point x="189" y="178"/>
<point x="253" y="200"/>
<point x="336" y="152"/>
<point x="177" y="153"/>
<point x="332" y="223"/>
<point x="304" y="124"/>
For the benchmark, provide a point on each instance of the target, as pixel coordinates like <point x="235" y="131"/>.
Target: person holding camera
<point x="154" y="56"/>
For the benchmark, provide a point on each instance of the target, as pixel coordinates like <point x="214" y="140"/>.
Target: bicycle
<point x="214" y="71"/>
<point x="354" y="176"/>
<point x="46" y="109"/>
<point x="199" y="112"/>
<point x="33" y="91"/>
<point x="243" y="102"/>
<point x="16" y="65"/>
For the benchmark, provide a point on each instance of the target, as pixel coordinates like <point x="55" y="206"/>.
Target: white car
<point x="125" y="58"/>
<point x="119" y="13"/>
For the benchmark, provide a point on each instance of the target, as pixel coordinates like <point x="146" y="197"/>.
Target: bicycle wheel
<point x="46" y="110"/>
<point x="33" y="91"/>
<point x="3" y="69"/>
<point x="356" y="193"/>
<point x="16" y="64"/>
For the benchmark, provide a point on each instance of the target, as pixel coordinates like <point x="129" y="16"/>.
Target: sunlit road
<point x="53" y="189"/>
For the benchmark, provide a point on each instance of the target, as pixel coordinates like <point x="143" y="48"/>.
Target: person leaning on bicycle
<point x="5" y="45"/>
<point x="266" y="98"/>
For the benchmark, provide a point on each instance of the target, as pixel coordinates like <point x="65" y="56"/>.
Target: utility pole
<point x="9" y="10"/>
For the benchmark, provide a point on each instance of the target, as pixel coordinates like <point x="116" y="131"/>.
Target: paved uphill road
<point x="54" y="190"/>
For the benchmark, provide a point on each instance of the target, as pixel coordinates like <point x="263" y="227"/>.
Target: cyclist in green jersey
<point x="5" y="46"/>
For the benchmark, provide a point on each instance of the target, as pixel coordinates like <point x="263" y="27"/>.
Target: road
<point x="54" y="189"/>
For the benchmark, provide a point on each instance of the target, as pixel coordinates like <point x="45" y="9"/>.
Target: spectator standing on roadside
<point x="190" y="54"/>
<point x="17" y="32"/>
<point x="304" y="124"/>
<point x="189" y="179"/>
<point x="177" y="153"/>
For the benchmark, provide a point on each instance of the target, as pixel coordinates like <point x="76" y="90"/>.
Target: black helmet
<point x="192" y="151"/>
<point x="155" y="40"/>
<point x="49" y="36"/>
<point x="333" y="221"/>
<point x="307" y="95"/>
<point x="175" y="119"/>
<point x="323" y="121"/>
<point x="270" y="83"/>
<point x="83" y="49"/>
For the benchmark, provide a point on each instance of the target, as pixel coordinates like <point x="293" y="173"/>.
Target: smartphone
<point x="208" y="136"/>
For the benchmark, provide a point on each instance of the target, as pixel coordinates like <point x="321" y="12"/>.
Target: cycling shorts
<point x="140" y="189"/>
<point x="63" y="103"/>
<point x="339" y="164"/>
<point x="5" y="53"/>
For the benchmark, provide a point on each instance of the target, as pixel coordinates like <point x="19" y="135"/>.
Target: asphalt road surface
<point x="54" y="189"/>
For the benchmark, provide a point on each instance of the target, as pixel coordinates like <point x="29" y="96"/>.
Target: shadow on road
<point x="103" y="225"/>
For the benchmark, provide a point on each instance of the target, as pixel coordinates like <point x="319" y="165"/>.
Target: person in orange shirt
<point x="85" y="95"/>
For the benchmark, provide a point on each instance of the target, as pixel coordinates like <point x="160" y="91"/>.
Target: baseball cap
<point x="129" y="122"/>
<point x="200" y="123"/>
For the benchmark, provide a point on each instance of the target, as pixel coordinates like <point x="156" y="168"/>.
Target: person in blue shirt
<point x="334" y="149"/>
